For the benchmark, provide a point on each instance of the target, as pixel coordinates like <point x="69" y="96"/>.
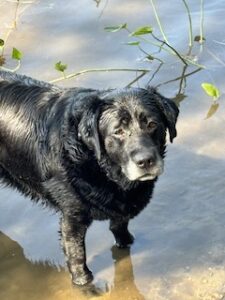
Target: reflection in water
<point x="22" y="279"/>
<point x="124" y="285"/>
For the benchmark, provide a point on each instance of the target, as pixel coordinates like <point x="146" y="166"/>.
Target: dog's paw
<point x="83" y="279"/>
<point x="90" y="290"/>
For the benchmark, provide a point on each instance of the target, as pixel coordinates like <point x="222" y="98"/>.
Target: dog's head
<point x="129" y="126"/>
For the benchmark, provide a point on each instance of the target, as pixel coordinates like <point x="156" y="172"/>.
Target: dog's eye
<point x="125" y="121"/>
<point x="119" y="131"/>
<point x="152" y="125"/>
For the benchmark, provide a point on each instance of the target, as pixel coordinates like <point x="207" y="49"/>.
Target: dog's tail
<point x="13" y="77"/>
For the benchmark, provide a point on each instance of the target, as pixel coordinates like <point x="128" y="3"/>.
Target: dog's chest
<point x="107" y="200"/>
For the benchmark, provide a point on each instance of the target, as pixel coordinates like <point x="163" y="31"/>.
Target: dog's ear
<point x="88" y="127"/>
<point x="169" y="110"/>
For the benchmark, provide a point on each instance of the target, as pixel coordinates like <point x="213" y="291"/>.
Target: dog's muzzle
<point x="143" y="165"/>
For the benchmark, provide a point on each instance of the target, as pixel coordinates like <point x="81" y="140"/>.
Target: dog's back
<point x="25" y="80"/>
<point x="26" y="106"/>
<point x="32" y="114"/>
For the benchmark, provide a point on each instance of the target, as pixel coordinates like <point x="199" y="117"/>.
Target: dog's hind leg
<point x="121" y="233"/>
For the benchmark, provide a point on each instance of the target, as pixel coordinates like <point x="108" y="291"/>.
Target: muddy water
<point x="179" y="251"/>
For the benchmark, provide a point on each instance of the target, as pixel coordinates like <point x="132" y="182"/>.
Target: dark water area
<point x="179" y="251"/>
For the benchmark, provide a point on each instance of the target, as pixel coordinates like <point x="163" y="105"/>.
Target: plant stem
<point x="147" y="41"/>
<point x="16" y="14"/>
<point x="176" y="53"/>
<point x="2" y="50"/>
<point x="173" y="49"/>
<point x="159" y="22"/>
<point x="13" y="27"/>
<point x="190" y="23"/>
<point x="202" y="22"/>
<point x="136" y="79"/>
<point x="178" y="78"/>
<point x="12" y="70"/>
<point x="156" y="71"/>
<point x="64" y="74"/>
<point x="147" y="54"/>
<point x="98" y="70"/>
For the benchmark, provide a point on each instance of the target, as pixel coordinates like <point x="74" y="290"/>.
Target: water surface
<point x="179" y="252"/>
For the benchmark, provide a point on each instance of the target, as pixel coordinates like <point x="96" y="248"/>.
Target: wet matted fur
<point x="90" y="154"/>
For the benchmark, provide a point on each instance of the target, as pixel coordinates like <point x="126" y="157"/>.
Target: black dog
<point x="90" y="154"/>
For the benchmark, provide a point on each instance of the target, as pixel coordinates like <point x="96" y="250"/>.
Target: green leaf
<point x="133" y="43"/>
<point x="2" y="43"/>
<point x="211" y="90"/>
<point x="142" y="30"/>
<point x="213" y="108"/>
<point x="60" y="67"/>
<point x="16" y="54"/>
<point x="115" y="28"/>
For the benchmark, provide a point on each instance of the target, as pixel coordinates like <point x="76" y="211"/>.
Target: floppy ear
<point x="88" y="127"/>
<point x="169" y="110"/>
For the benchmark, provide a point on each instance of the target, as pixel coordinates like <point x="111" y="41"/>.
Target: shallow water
<point x="179" y="252"/>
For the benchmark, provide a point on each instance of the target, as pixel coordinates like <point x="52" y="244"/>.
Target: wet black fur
<point x="50" y="151"/>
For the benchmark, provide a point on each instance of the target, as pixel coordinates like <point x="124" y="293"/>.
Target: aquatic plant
<point x="214" y="93"/>
<point x="15" y="54"/>
<point x="138" y="37"/>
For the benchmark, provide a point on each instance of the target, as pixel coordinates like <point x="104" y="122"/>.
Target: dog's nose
<point x="144" y="160"/>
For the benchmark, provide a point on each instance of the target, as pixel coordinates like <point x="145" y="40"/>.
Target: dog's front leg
<point x="73" y="239"/>
<point x="121" y="233"/>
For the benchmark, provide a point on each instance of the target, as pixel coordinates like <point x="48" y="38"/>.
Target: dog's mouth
<point x="135" y="174"/>
<point x="147" y="177"/>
